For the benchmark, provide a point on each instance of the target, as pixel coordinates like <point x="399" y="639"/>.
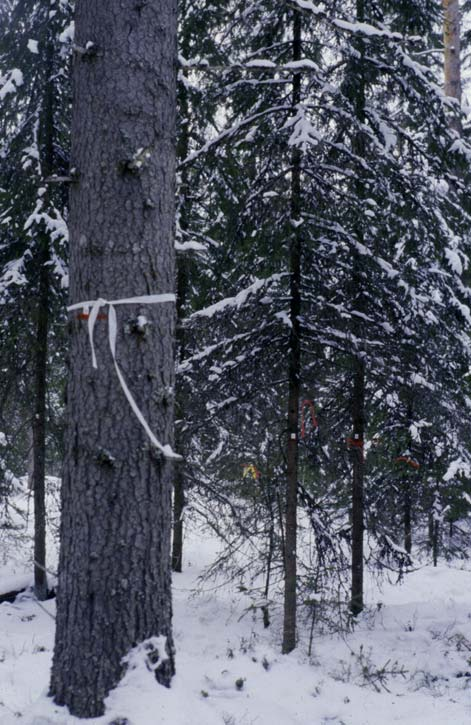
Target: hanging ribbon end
<point x="170" y="453"/>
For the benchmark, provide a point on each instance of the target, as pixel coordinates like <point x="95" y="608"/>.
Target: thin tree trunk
<point x="358" y="392"/>
<point x="30" y="458"/>
<point x="435" y="541"/>
<point x="452" y="44"/>
<point x="358" y="420"/>
<point x="406" y="487"/>
<point x="435" y="527"/>
<point x="179" y="501"/>
<point x="430" y="523"/>
<point x="179" y="498"/>
<point x="289" y="624"/>
<point x="271" y="544"/>
<point x="114" y="570"/>
<point x="38" y="424"/>
<point x="407" y="514"/>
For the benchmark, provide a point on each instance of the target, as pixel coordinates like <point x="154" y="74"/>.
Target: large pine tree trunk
<point x="114" y="571"/>
<point x="38" y="425"/>
<point x="289" y="625"/>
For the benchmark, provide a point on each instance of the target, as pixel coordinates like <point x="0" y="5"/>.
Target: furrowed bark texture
<point x="114" y="574"/>
<point x="289" y="622"/>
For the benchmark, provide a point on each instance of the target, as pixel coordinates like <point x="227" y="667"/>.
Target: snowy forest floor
<point x="408" y="660"/>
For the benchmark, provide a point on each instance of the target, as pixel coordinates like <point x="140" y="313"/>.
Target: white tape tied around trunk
<point x="92" y="308"/>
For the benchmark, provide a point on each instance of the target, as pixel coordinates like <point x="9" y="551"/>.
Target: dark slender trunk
<point x="179" y="498"/>
<point x="430" y="530"/>
<point x="358" y="420"/>
<point x="38" y="425"/>
<point x="179" y="501"/>
<point x="183" y="146"/>
<point x="435" y="540"/>
<point x="407" y="483"/>
<point x="358" y="392"/>
<point x="289" y="624"/>
<point x="407" y="514"/>
<point x="435" y="527"/>
<point x="271" y="548"/>
<point x="114" y="571"/>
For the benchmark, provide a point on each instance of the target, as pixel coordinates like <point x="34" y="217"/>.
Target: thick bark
<point x="38" y="424"/>
<point x="289" y="624"/>
<point x="114" y="571"/>
<point x="452" y="44"/>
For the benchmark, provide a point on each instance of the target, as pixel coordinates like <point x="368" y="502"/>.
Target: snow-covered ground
<point x="408" y="661"/>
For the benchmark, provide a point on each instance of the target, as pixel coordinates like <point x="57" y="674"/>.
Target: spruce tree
<point x="35" y="102"/>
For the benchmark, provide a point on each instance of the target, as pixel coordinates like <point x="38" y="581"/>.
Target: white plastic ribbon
<point x="95" y="306"/>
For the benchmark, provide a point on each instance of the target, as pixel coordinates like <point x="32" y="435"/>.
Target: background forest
<point x="323" y="313"/>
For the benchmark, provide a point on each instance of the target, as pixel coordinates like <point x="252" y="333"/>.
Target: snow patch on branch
<point x="455" y="468"/>
<point x="68" y="33"/>
<point x="366" y="29"/>
<point x="190" y="247"/>
<point x="453" y="259"/>
<point x="238" y="300"/>
<point x="11" y="83"/>
<point x="307" y="5"/>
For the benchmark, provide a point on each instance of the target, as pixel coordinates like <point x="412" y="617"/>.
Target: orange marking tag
<point x="85" y="316"/>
